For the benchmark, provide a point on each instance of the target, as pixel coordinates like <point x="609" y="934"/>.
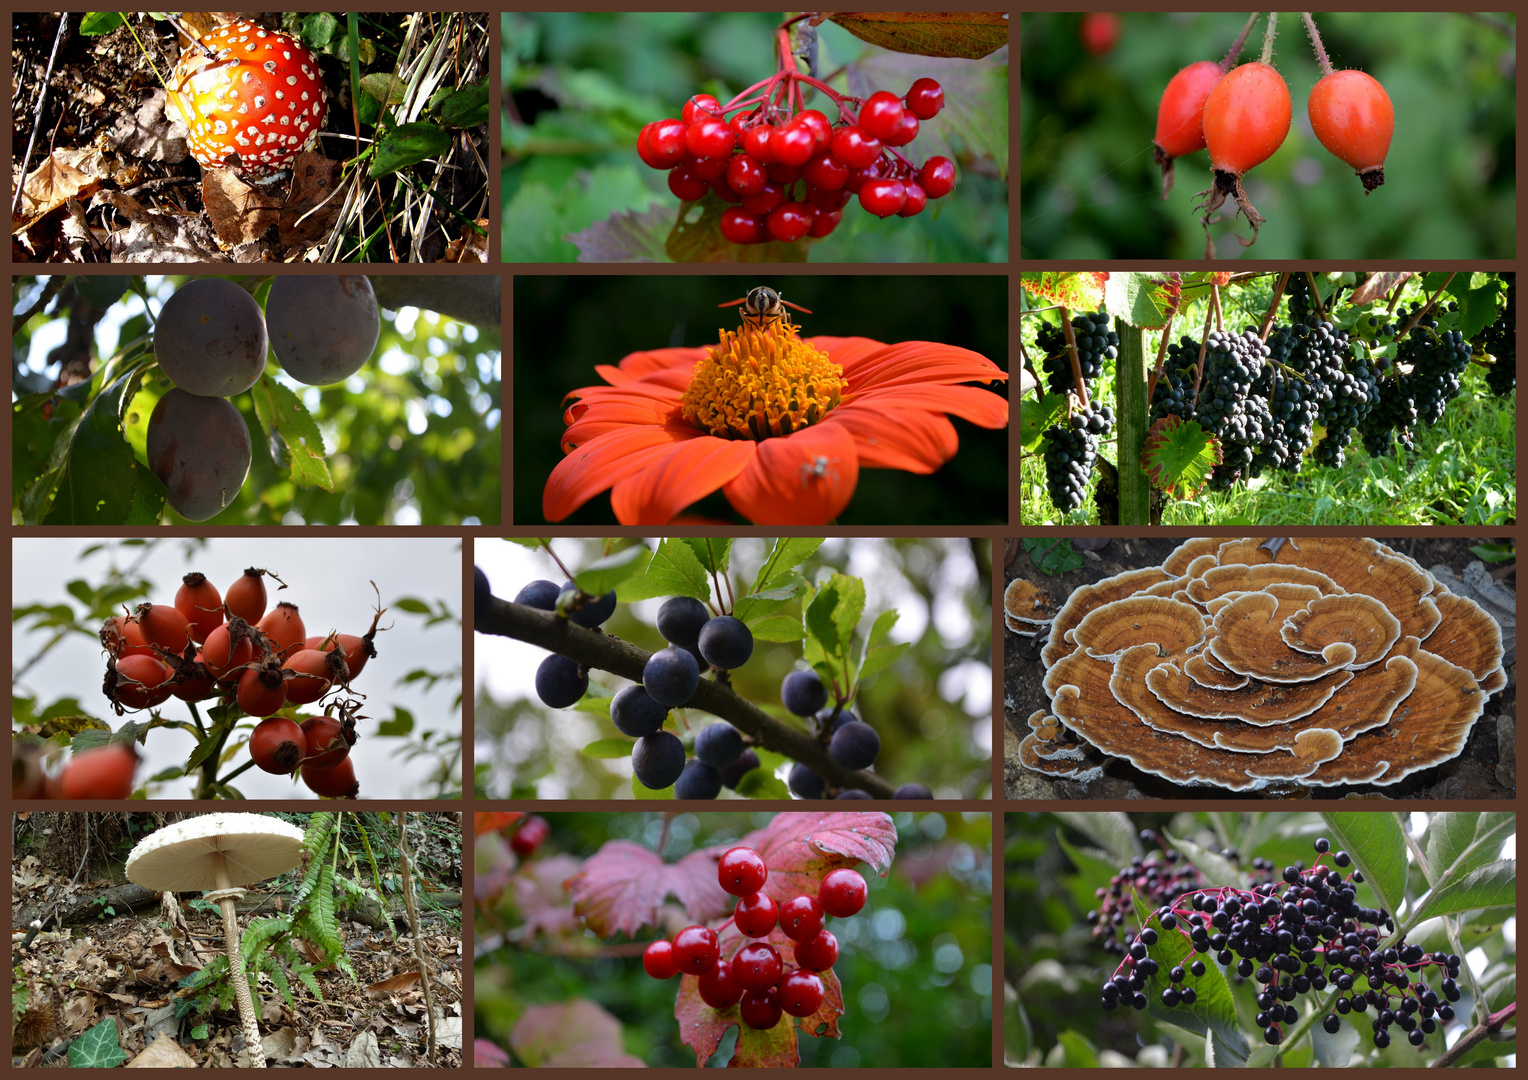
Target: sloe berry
<point x="733" y="774"/>
<point x="855" y="746"/>
<point x="802" y="692"/>
<point x="718" y="745"/>
<point x="806" y="783"/>
<point x="559" y="683"/>
<point x="680" y="620"/>
<point x="635" y="712"/>
<point x="912" y="791"/>
<point x="658" y="759"/>
<point x="670" y="677"/>
<point x="539" y="594"/>
<point x="698" y="781"/>
<point x="593" y="611"/>
<point x="726" y="643"/>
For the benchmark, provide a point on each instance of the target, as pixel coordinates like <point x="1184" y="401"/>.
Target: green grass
<point x="1462" y="471"/>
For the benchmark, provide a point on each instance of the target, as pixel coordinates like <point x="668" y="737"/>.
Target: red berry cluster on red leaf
<point x="789" y="174"/>
<point x="757" y="979"/>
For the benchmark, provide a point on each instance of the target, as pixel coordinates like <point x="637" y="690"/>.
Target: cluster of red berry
<point x="790" y="175"/>
<point x="756" y="979"/>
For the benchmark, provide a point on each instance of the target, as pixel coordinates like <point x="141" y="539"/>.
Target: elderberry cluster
<point x="1302" y="933"/>
<point x="1096" y="342"/>
<point x="1072" y="452"/>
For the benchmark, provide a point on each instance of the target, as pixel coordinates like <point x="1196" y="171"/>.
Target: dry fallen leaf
<point x="163" y="1053"/>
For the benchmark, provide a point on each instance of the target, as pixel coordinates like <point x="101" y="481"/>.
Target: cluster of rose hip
<point x="206" y="644"/>
<point x="1304" y="932"/>
<point x="790" y="175"/>
<point x="756" y="979"/>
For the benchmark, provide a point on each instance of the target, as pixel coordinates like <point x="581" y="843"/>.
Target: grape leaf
<point x="621" y="887"/>
<point x="1035" y="416"/>
<point x="569" y="1035"/>
<point x="1178" y="456"/>
<point x="1077" y="291"/>
<point x="968" y="34"/>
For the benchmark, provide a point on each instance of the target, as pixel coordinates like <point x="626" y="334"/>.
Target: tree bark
<point x="472" y="298"/>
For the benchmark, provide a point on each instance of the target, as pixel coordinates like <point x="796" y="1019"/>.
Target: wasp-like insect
<point x="762" y="307"/>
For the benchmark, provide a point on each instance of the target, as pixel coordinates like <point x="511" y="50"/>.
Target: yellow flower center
<point x="757" y="384"/>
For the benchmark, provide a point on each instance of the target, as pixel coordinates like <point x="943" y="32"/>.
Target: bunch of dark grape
<point x="1304" y="932"/>
<point x="1096" y="342"/>
<point x="1436" y="364"/>
<point x="1071" y="454"/>
<point x="1293" y="400"/>
<point x="1298" y="292"/>
<point x="1228" y="407"/>
<point x="1174" y="392"/>
<point x="1500" y="340"/>
<point x="1351" y="390"/>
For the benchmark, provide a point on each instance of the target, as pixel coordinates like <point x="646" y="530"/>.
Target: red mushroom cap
<point x="261" y="97"/>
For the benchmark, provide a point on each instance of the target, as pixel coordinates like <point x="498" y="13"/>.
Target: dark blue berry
<point x="658" y="760"/>
<point x="732" y="775"/>
<point x="806" y="783"/>
<point x="718" y="745"/>
<point x="680" y="620"/>
<point x="1332" y="1024"/>
<point x="698" y="781"/>
<point x="671" y="676"/>
<point x="559" y="683"/>
<point x="586" y="610"/>
<point x="912" y="791"/>
<point x="855" y="746"/>
<point x="635" y="713"/>
<point x="802" y="692"/>
<point x="539" y="594"/>
<point x="481" y="590"/>
<point x="726" y="643"/>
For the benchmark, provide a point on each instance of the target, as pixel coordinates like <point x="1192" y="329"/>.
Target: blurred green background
<point x="1090" y="190"/>
<point x="580" y="86"/>
<point x="564" y="326"/>
<point x="916" y="964"/>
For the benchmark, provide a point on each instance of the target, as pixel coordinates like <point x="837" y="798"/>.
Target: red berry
<point x="200" y="602"/>
<point x="883" y="197"/>
<point x="937" y="177"/>
<point x="1246" y="117"/>
<point x="718" y="988"/>
<point x="756" y="915"/>
<point x="793" y="143"/>
<point x="925" y="98"/>
<point x="103" y="773"/>
<point x="658" y="960"/>
<point x="1099" y="31"/>
<point x="337" y="783"/>
<point x="665" y="143"/>
<point x="709" y="139"/>
<point x="277" y="745"/>
<point x="141" y="682"/>
<point x="858" y="178"/>
<point x="706" y="169"/>
<point x="741" y="871"/>
<point x="906" y="131"/>
<point x="1353" y="118"/>
<point x="761" y="1010"/>
<point x="827" y="200"/>
<point x="756" y="143"/>
<point x="780" y="173"/>
<point x="790" y="221"/>
<point x="818" y="954"/>
<point x="801" y="918"/>
<point x="695" y="950"/>
<point x="757" y="966"/>
<point x="801" y="993"/>
<point x="701" y="107"/>
<point x="822" y="128"/>
<point x="741" y="227"/>
<point x="881" y="115"/>
<point x="825" y="222"/>
<point x="327" y="742"/>
<point x="685" y="186"/>
<point x="723" y="190"/>
<point x="765" y="201"/>
<point x="1180" y="116"/>
<point x="916" y="200"/>
<point x="825" y="172"/>
<point x="745" y="175"/>
<point x="853" y="147"/>
<point x="842" y="893"/>
<point x="531" y="834"/>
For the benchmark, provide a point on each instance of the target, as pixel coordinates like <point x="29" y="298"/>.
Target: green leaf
<point x="713" y="553"/>
<point x="1094" y="865"/>
<point x="1456" y="843"/>
<point x="532" y="542"/>
<point x="761" y="783"/>
<point x="1492" y="885"/>
<point x="412" y="606"/>
<point x="1035" y="416"/>
<point x="400" y="725"/>
<point x="608" y="749"/>
<point x="467" y="107"/>
<point x="1114" y="832"/>
<point x="879" y="659"/>
<point x="1053" y="556"/>
<point x="1213" y="1011"/>
<point x="1178" y="456"/>
<point x="97" y="1048"/>
<point x="1334" y="1051"/>
<point x="603" y="575"/>
<point x="101" y="292"/>
<point x="319" y="29"/>
<point x="776" y="628"/>
<point x="386" y="88"/>
<point x="1071" y="1051"/>
<point x="1215" y="868"/>
<point x="780" y="563"/>
<point x="673" y="571"/>
<point x="882" y="626"/>
<point x="643" y="793"/>
<point x="94" y="24"/>
<point x="292" y="435"/>
<point x="1378" y="848"/>
<point x="102" y="482"/>
<point x="821" y="625"/>
<point x="405" y="145"/>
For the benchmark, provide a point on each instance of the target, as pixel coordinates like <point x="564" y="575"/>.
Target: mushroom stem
<point x="226" y="894"/>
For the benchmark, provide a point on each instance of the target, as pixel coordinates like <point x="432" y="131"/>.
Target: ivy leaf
<point x="97" y="1048"/>
<point x="1178" y="456"/>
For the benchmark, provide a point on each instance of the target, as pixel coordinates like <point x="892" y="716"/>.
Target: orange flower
<point x="781" y="424"/>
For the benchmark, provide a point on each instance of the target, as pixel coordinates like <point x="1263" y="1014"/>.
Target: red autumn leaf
<point x="623" y="884"/>
<point x="571" y="1035"/>
<point x="800" y="848"/>
<point x="541" y="896"/>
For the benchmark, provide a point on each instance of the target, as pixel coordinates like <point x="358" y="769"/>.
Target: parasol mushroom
<point x="219" y="854"/>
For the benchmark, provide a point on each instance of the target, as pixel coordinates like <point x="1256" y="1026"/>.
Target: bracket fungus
<point x="1257" y="664"/>
<point x="219" y="854"/>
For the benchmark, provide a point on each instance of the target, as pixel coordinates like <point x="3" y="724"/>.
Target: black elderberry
<point x="1149" y="936"/>
<point x="1381" y="1039"/>
<point x="1342" y="858"/>
<point x="1322" y="846"/>
<point x="1170" y="997"/>
<point x="1188" y="995"/>
<point x="1342" y="1005"/>
<point x="1331" y="1024"/>
<point x="1175" y="975"/>
<point x="1197" y="967"/>
<point x="1271" y="1035"/>
<point x="1415" y="1038"/>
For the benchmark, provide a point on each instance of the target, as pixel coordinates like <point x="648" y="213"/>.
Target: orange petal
<point x="981" y="407"/>
<point x="922" y="362"/>
<point x="597" y="464"/>
<point x="589" y="423"/>
<point x="908" y="439"/>
<point x="687" y="473"/>
<point x="806" y="478"/>
<point x="847" y="352"/>
<point x="650" y="363"/>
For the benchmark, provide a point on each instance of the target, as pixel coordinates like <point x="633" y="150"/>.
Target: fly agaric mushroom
<point x="1254" y="664"/>
<point x="219" y="854"/>
<point x="259" y="95"/>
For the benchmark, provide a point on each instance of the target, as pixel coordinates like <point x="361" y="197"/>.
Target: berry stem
<point x="1427" y="307"/>
<point x="1236" y="46"/>
<point x="1204" y="338"/>
<point x="1315" y="41"/>
<point x="1268" y="36"/>
<point x="1273" y="306"/>
<point x="1071" y="352"/>
<point x="1167" y="333"/>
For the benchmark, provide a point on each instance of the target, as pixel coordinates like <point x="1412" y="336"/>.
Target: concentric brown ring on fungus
<point x="1070" y="761"/>
<point x="1250" y="550"/>
<point x="1247" y="642"/>
<point x="1166" y="588"/>
<point x="1024" y="606"/>
<point x="1361" y="564"/>
<point x="1138" y="620"/>
<point x="1360" y="620"/>
<point x="1242" y="578"/>
<point x="1201" y="667"/>
<point x="1150" y="687"/>
<point x="1078" y="687"/>
<point x="1178" y="562"/>
<point x="1470" y="638"/>
<point x="1292" y="597"/>
<point x="1431" y="726"/>
<point x="1365" y="703"/>
<point x="1088" y="597"/>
